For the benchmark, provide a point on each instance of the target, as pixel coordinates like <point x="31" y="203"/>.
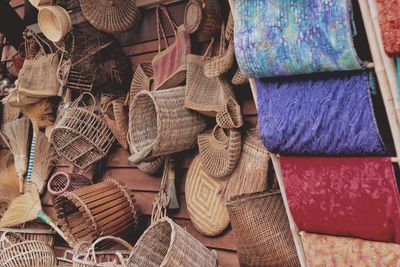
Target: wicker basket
<point x="43" y="235"/>
<point x="160" y="125"/>
<point x="115" y="116"/>
<point x="108" y="258"/>
<point x="239" y="78"/>
<point x="142" y="79"/>
<point x="219" y="151"/>
<point x="23" y="253"/>
<point x="166" y="244"/>
<point x="81" y="136"/>
<point x="111" y="16"/>
<point x="105" y="208"/>
<point x="230" y="115"/>
<point x="62" y="182"/>
<point x="54" y="22"/>
<point x="152" y="166"/>
<point x="262" y="230"/>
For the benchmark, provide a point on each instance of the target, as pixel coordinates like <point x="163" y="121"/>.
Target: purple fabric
<point x="319" y="114"/>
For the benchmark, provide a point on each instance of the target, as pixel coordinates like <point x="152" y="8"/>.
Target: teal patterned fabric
<point x="290" y="37"/>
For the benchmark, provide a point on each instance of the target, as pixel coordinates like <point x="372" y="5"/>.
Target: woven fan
<point x="111" y="15"/>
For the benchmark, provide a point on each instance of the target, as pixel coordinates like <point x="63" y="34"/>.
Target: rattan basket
<point x="62" y="182"/>
<point x="160" y="125"/>
<point x="54" y="22"/>
<point x="81" y="136"/>
<point x="166" y="244"/>
<point x="43" y="235"/>
<point x="142" y="79"/>
<point x="152" y="166"/>
<point x="115" y="116"/>
<point x="105" y="208"/>
<point x="262" y="230"/>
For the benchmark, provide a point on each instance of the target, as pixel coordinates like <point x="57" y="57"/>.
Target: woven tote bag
<point x="160" y="125"/>
<point x="389" y="20"/>
<point x="230" y="115"/>
<point x="169" y="65"/>
<point x="307" y="37"/>
<point x="204" y="200"/>
<point x="115" y="116"/>
<point x="166" y="244"/>
<point x="219" y="151"/>
<point x="262" y="230"/>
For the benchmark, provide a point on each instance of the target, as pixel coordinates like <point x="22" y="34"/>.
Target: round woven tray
<point x="204" y="202"/>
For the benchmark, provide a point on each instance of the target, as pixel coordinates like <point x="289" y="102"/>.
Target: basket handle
<point x="214" y="134"/>
<point x="120" y="241"/>
<point x="209" y="48"/>
<point x="80" y="98"/>
<point x="56" y="193"/>
<point x="160" y="28"/>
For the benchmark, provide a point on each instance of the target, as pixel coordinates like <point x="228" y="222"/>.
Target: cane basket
<point x="105" y="208"/>
<point x="167" y="244"/>
<point x="151" y="166"/>
<point x="62" y="182"/>
<point x="262" y="230"/>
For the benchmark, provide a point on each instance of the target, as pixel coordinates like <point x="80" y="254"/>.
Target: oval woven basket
<point x="160" y="125"/>
<point x="111" y="15"/>
<point x="166" y="244"/>
<point x="105" y="208"/>
<point x="262" y="230"/>
<point x="204" y="201"/>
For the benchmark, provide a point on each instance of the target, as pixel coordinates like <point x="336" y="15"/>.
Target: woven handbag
<point x="115" y="116"/>
<point x="389" y="20"/>
<point x="160" y="125"/>
<point x="169" y="65"/>
<point x="219" y="151"/>
<point x="166" y="244"/>
<point x="239" y="78"/>
<point x="229" y="28"/>
<point x="230" y="115"/>
<point x="262" y="230"/>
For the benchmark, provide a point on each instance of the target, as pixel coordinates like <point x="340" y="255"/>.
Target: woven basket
<point x="262" y="230"/>
<point x="111" y="16"/>
<point x="166" y="244"/>
<point x="105" y="208"/>
<point x="230" y="115"/>
<point x="23" y="253"/>
<point x="204" y="200"/>
<point x="142" y="79"/>
<point x="160" y="125"/>
<point x="115" y="116"/>
<point x="54" y="22"/>
<point x="219" y="151"/>
<point x="43" y="235"/>
<point x="152" y="166"/>
<point x="62" y="182"/>
<point x="81" y="136"/>
<point x="108" y="258"/>
<point x="229" y="28"/>
<point x="239" y="78"/>
<point x="87" y="172"/>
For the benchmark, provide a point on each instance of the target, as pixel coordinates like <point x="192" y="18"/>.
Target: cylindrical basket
<point x="105" y="208"/>
<point x="62" y="182"/>
<point x="262" y="230"/>
<point x="160" y="125"/>
<point x="167" y="244"/>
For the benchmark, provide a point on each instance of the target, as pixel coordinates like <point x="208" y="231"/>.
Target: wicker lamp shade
<point x="204" y="201"/>
<point x="111" y="15"/>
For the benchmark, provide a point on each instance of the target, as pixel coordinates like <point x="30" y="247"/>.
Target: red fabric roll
<point x="355" y="197"/>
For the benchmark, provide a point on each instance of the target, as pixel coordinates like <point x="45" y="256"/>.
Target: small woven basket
<point x="43" y="235"/>
<point x="262" y="230"/>
<point x="167" y="244"/>
<point x="62" y="182"/>
<point x="219" y="151"/>
<point x="142" y="79"/>
<point x="54" y="22"/>
<point x="160" y="125"/>
<point x="105" y="208"/>
<point x="115" y="116"/>
<point x="81" y="136"/>
<point x="230" y="115"/>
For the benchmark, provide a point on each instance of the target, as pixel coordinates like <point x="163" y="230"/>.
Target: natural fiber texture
<point x="239" y="78"/>
<point x="9" y="187"/>
<point x="251" y="173"/>
<point x="204" y="201"/>
<point x="322" y="250"/>
<point x="299" y="115"/>
<point x="389" y="20"/>
<point x="142" y="79"/>
<point x="43" y="235"/>
<point x="166" y="244"/>
<point x="230" y="115"/>
<point x="262" y="230"/>
<point x="81" y="136"/>
<point x="111" y="16"/>
<point x="160" y="125"/>
<point x="279" y="38"/>
<point x="87" y="172"/>
<point x="219" y="151"/>
<point x="54" y="22"/>
<point x="61" y="182"/>
<point x="15" y="100"/>
<point x="151" y="166"/>
<point x="115" y="116"/>
<point x="354" y="197"/>
<point x="41" y="114"/>
<point x="102" y="209"/>
<point x="9" y="113"/>
<point x="229" y="27"/>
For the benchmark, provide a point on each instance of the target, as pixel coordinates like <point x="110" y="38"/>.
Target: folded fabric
<point x="288" y="37"/>
<point x="320" y="114"/>
<point x="355" y="197"/>
<point x="326" y="251"/>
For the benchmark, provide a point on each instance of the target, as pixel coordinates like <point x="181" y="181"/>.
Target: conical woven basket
<point x="262" y="230"/>
<point x="115" y="116"/>
<point x="166" y="244"/>
<point x="142" y="79"/>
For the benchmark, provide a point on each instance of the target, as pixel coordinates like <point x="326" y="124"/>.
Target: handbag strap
<point x="160" y="28"/>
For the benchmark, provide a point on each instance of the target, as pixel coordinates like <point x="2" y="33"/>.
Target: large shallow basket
<point x="166" y="244"/>
<point x="81" y="136"/>
<point x="105" y="208"/>
<point x="43" y="235"/>
<point x="262" y="230"/>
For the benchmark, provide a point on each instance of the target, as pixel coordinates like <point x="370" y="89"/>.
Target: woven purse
<point x="115" y="116"/>
<point x="230" y="115"/>
<point x="219" y="151"/>
<point x="169" y="65"/>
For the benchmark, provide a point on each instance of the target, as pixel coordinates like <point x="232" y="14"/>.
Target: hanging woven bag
<point x="115" y="116"/>
<point x="230" y="115"/>
<point x="169" y="65"/>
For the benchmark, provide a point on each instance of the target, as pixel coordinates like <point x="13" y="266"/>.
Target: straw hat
<point x="54" y="22"/>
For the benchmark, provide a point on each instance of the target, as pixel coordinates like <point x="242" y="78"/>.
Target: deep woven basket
<point x="167" y="244"/>
<point x="62" y="182"/>
<point x="160" y="125"/>
<point x="219" y="151"/>
<point x="115" y="116"/>
<point x="262" y="230"/>
<point x="81" y="136"/>
<point x="111" y="16"/>
<point x="43" y="235"/>
<point x="105" y="208"/>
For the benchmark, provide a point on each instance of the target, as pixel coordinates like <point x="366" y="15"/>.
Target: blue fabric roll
<point x="319" y="114"/>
